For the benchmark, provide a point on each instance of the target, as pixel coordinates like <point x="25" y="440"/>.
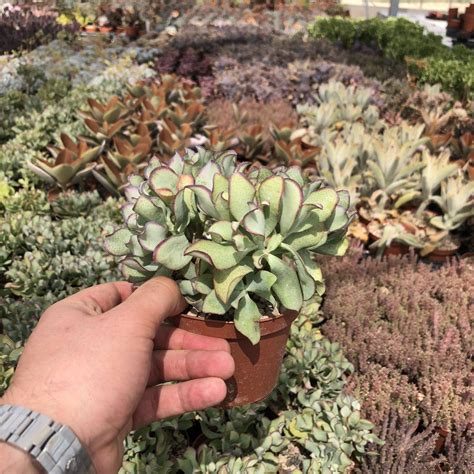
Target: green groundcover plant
<point x="403" y="40"/>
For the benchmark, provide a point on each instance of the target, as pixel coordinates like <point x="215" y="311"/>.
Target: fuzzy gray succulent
<point x="233" y="240"/>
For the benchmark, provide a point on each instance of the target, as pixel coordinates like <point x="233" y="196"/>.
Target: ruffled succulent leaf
<point x="254" y="222"/>
<point x="203" y="284"/>
<point x="176" y="163"/>
<point x="213" y="305"/>
<point x="273" y="243"/>
<point x="205" y="177"/>
<point x="287" y="287"/>
<point x="325" y="199"/>
<point x="308" y="238"/>
<point x="136" y="273"/>
<point x="220" y="256"/>
<point x="145" y="208"/>
<point x="308" y="285"/>
<point x="261" y="284"/>
<point x="311" y="266"/>
<point x="344" y="198"/>
<point x="270" y="196"/>
<point x="338" y="220"/>
<point x="171" y="252"/>
<point x="246" y="318"/>
<point x="241" y="193"/>
<point x="164" y="182"/>
<point x="336" y="247"/>
<point x="117" y="242"/>
<point x="243" y="243"/>
<point x="225" y="281"/>
<point x="204" y="201"/>
<point x="292" y="200"/>
<point x="221" y="231"/>
<point x="222" y="207"/>
<point x="186" y="288"/>
<point x="135" y="248"/>
<point x="153" y="234"/>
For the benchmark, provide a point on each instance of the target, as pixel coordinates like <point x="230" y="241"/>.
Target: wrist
<point x="44" y="433"/>
<point x="15" y="460"/>
<point x="52" y="409"/>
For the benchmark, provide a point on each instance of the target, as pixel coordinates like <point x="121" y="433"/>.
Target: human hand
<point x="94" y="360"/>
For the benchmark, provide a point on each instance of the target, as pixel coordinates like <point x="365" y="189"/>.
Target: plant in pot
<point x="132" y="23"/>
<point x="240" y="247"/>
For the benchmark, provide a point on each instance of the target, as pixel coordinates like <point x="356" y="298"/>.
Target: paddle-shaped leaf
<point x="246" y="318"/>
<point x="170" y="252"/>
<point x="287" y="286"/>
<point x="241" y="193"/>
<point x="225" y="281"/>
<point x="220" y="256"/>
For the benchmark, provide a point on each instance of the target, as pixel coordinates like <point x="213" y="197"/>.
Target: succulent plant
<point x="236" y="243"/>
<point x="105" y="120"/>
<point x="435" y="171"/>
<point x="289" y="148"/>
<point x="395" y="232"/>
<point x="394" y="160"/>
<point x="456" y="201"/>
<point x="70" y="162"/>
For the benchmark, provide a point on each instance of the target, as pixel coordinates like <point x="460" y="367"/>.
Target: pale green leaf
<point x="292" y="200"/>
<point x="170" y="252"/>
<point x="225" y="281"/>
<point x="287" y="287"/>
<point x="246" y="319"/>
<point x="270" y="191"/>
<point x="153" y="234"/>
<point x="220" y="256"/>
<point x="254" y="222"/>
<point x="213" y="305"/>
<point x="241" y="193"/>
<point x="117" y="242"/>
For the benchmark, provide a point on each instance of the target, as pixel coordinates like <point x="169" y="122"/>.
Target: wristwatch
<point x="54" y="446"/>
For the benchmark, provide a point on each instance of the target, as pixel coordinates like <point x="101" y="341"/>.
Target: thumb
<point x="152" y="302"/>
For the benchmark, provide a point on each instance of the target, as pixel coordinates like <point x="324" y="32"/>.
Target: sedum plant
<point x="239" y="245"/>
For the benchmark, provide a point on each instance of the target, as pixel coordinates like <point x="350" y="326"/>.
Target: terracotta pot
<point x="468" y="24"/>
<point x="470" y="170"/>
<point x="454" y="23"/>
<point x="441" y="255"/>
<point x="256" y="367"/>
<point x="441" y="440"/>
<point x="131" y="31"/>
<point x="106" y="29"/>
<point x="53" y="194"/>
<point x="395" y="248"/>
<point x="91" y="28"/>
<point x="452" y="13"/>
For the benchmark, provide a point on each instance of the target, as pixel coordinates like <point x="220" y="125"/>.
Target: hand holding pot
<point x="95" y="360"/>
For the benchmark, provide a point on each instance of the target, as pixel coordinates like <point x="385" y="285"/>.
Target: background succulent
<point x="235" y="242"/>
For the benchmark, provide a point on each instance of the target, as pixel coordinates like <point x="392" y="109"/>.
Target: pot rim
<point x="227" y="330"/>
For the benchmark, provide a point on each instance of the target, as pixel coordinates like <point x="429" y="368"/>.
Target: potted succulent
<point x="239" y="244"/>
<point x="132" y="23"/>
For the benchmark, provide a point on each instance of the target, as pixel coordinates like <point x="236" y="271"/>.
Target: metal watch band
<point x="54" y="446"/>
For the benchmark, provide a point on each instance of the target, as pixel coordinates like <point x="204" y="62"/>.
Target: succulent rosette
<point x="236" y="242"/>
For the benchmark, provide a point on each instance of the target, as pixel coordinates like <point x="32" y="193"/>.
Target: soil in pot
<point x="257" y="367"/>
